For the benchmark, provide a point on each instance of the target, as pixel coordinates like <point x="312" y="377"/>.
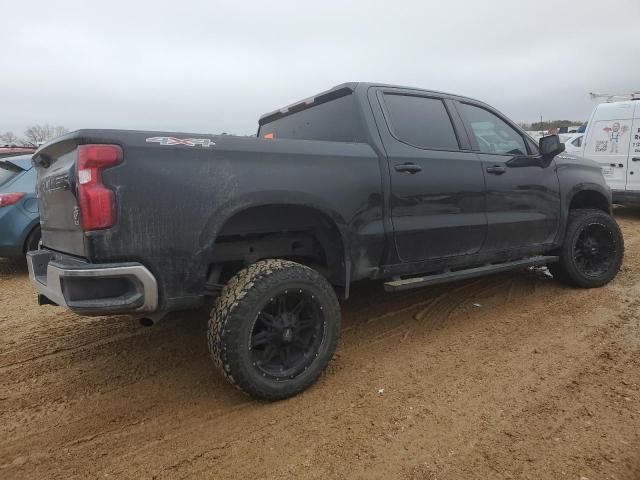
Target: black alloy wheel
<point x="594" y="250"/>
<point x="287" y="334"/>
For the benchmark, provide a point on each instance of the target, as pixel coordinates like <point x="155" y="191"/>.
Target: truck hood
<point x="568" y="160"/>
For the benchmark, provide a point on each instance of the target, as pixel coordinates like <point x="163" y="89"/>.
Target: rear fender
<point x="226" y="212"/>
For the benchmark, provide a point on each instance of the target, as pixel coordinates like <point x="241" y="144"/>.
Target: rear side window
<point x="420" y="121"/>
<point x="493" y="134"/>
<point x="7" y="172"/>
<point x="337" y="120"/>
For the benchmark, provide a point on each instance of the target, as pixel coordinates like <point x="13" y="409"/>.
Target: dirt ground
<point x="509" y="376"/>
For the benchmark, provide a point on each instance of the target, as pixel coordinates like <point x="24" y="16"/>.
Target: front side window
<point x="420" y="121"/>
<point x="577" y="142"/>
<point x="492" y="133"/>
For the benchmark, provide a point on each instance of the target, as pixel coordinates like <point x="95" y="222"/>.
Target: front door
<point x="437" y="187"/>
<point x="523" y="199"/>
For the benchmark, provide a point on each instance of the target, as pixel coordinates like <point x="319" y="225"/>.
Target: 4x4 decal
<point x="190" y="142"/>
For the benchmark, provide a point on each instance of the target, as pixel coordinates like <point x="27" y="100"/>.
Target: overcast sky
<point x="214" y="66"/>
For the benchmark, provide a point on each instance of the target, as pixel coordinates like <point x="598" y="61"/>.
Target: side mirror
<point x="550" y="146"/>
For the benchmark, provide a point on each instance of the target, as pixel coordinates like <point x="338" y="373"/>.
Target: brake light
<point x="97" y="203"/>
<point x="7" y="199"/>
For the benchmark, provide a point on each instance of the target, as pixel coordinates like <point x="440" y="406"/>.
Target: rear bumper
<point x="89" y="288"/>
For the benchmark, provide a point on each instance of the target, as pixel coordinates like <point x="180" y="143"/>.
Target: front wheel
<point x="274" y="328"/>
<point x="592" y="252"/>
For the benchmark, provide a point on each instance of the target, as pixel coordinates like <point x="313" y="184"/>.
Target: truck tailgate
<point x="57" y="198"/>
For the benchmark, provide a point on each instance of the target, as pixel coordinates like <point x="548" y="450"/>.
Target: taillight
<point x="97" y="203"/>
<point x="7" y="199"/>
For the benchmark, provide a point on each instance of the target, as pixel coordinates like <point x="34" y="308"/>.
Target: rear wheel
<point x="592" y="252"/>
<point x="274" y="328"/>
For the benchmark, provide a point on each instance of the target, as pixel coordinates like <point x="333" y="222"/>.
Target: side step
<point x="415" y="282"/>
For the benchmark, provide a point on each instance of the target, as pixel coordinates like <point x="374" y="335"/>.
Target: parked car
<point x="363" y="181"/>
<point x="572" y="142"/>
<point x="19" y="222"/>
<point x="612" y="140"/>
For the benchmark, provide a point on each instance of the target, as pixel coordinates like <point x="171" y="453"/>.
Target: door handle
<point x="496" y="169"/>
<point x="636" y="159"/>
<point x="409" y="168"/>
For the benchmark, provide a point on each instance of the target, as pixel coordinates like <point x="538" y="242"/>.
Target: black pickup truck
<point x="363" y="181"/>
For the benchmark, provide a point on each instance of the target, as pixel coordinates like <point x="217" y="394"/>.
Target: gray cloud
<point x="209" y="66"/>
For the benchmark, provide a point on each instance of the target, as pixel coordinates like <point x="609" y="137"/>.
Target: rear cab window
<point x="421" y="122"/>
<point x="336" y="120"/>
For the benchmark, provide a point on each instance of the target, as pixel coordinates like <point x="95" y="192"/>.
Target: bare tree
<point x="9" y="138"/>
<point x="39" y="134"/>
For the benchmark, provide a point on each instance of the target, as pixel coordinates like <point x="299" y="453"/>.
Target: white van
<point x="613" y="140"/>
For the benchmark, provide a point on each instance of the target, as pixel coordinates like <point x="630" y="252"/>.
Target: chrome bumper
<point x="88" y="288"/>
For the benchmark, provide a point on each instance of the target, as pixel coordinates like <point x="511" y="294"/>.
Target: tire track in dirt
<point x="68" y="342"/>
<point x="433" y="313"/>
<point x="97" y="383"/>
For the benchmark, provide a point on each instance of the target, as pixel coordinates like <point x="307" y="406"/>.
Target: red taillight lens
<point x="97" y="203"/>
<point x="7" y="199"/>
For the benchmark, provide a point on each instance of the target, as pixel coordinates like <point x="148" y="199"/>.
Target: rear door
<point x="607" y="142"/>
<point x="437" y="186"/>
<point x="633" y="175"/>
<point x="523" y="197"/>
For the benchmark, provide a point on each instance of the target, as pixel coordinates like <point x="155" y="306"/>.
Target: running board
<point x="415" y="282"/>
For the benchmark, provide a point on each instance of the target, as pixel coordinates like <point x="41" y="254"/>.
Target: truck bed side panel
<point x="173" y="199"/>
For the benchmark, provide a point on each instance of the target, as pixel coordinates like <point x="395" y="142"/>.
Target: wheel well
<point x="589" y="199"/>
<point x="302" y="234"/>
<point x="27" y="239"/>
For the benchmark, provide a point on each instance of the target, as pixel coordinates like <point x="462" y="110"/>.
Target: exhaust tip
<point x="147" y="322"/>
<point x="151" y="319"/>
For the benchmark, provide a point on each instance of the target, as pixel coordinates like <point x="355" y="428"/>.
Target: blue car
<point x="19" y="220"/>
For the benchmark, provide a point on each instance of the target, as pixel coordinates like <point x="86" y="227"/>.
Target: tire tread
<point x="233" y="304"/>
<point x="565" y="270"/>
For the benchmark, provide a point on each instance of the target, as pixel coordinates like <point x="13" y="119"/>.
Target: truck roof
<point x="340" y="91"/>
<point x="624" y="110"/>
